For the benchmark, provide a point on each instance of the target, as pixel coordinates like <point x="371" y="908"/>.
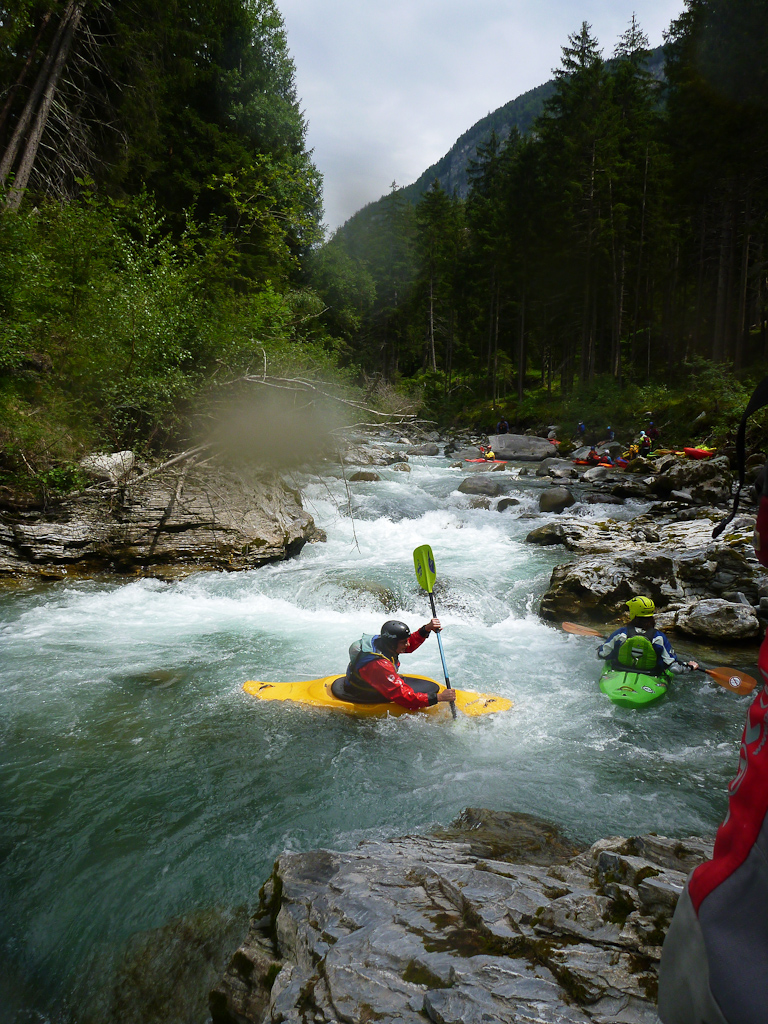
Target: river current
<point x="142" y="788"/>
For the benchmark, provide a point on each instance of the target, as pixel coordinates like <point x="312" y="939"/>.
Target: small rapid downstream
<point x="141" y="786"/>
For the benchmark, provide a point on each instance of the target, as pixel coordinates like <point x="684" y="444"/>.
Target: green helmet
<point x="641" y="607"/>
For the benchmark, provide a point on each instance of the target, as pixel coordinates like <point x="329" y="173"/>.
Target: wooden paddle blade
<point x="424" y="563"/>
<point x="730" y="679"/>
<point x="574" y="627"/>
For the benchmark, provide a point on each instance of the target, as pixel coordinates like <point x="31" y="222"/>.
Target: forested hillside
<point x="622" y="238"/>
<point x="157" y="210"/>
<point x="160" y="232"/>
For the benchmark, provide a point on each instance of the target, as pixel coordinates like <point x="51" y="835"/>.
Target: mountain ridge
<point x="451" y="169"/>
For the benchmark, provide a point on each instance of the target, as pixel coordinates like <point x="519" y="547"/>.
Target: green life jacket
<point x="639" y="653"/>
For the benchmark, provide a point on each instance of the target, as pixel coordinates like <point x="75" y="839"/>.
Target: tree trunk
<point x="72" y="17"/>
<point x="521" y="360"/>
<point x="23" y="74"/>
<point x="12" y="149"/>
<point x="721" y="303"/>
<point x="432" y="321"/>
<point x="636" y="312"/>
<point x="742" y="329"/>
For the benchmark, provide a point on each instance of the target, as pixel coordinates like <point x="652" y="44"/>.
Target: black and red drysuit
<point x="374" y="671"/>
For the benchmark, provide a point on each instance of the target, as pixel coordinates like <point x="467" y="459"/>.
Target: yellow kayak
<point x="318" y="693"/>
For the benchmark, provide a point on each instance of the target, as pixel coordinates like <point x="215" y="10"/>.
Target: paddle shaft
<point x="424" y="564"/>
<point x="442" y="655"/>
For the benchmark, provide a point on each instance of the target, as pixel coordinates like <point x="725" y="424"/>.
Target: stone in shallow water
<point x="480" y="485"/>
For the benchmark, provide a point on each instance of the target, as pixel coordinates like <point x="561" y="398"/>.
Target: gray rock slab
<point x="521" y="447"/>
<point x="183" y="519"/>
<point x="675" y="561"/>
<point x="420" y="926"/>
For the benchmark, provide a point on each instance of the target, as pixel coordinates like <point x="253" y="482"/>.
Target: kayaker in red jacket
<point x="374" y="664"/>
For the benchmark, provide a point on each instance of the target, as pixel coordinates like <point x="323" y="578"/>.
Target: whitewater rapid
<point x="141" y="785"/>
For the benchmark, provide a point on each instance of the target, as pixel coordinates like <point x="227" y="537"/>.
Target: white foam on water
<point x="141" y="782"/>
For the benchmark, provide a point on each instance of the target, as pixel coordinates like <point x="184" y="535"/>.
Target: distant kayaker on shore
<point x="640" y="645"/>
<point x="373" y="670"/>
<point x="502" y="427"/>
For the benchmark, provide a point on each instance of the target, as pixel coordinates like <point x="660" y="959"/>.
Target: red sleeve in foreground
<point x="382" y="677"/>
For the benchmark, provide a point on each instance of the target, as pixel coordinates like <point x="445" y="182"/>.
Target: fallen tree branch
<point x="297" y="384"/>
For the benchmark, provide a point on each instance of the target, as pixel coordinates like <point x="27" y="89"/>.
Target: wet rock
<point x="480" y="485"/>
<point x="442" y="929"/>
<point x="675" y="562"/>
<point x="423" y="449"/>
<point x="505" y="503"/>
<point x="520" y="447"/>
<point x="510" y="836"/>
<point x="181" y="520"/>
<point x="370" y="455"/>
<point x="717" y="619"/>
<point x="557" y="468"/>
<point x="365" y="475"/>
<point x="402" y="467"/>
<point x="480" y="502"/>
<point x="603" y="499"/>
<point x="555" y="499"/>
<point x="705" y="482"/>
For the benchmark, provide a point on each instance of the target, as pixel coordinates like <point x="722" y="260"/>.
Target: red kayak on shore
<point x="699" y="453"/>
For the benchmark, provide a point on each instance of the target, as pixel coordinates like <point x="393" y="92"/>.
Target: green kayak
<point x="631" y="689"/>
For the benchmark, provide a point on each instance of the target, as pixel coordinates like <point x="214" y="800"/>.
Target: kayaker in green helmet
<point x="640" y="645"/>
<point x="374" y="662"/>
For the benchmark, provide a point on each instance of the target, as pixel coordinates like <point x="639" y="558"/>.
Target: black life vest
<point x="363" y="652"/>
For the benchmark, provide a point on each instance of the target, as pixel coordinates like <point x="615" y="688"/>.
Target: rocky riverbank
<point x="500" y="918"/>
<point x="165" y="523"/>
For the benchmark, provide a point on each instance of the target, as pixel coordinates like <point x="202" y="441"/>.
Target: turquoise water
<point x="142" y="787"/>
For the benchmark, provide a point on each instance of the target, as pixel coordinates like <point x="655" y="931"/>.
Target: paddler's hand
<point x="446" y="696"/>
<point x="433" y="626"/>
<point x="692" y="665"/>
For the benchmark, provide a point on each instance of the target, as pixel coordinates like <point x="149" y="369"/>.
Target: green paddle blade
<point x="424" y="563"/>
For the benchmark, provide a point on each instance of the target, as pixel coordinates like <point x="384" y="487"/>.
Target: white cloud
<point x="387" y="88"/>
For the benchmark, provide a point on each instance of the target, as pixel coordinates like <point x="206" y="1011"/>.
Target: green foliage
<point x="112" y="329"/>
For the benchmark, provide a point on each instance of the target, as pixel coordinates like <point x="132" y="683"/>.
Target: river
<point x="145" y="796"/>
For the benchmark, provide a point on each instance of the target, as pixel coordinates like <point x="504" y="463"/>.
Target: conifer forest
<point x="161" y="232"/>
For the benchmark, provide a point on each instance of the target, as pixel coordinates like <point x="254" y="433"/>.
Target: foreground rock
<point x="704" y="587"/>
<point x="177" y="521"/>
<point x="456" y="932"/>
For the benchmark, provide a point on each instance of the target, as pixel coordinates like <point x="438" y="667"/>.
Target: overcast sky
<point x="388" y="86"/>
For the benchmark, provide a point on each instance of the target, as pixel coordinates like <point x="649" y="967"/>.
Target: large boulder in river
<point x="177" y="520"/>
<point x="460" y="930"/>
<point x="423" y="449"/>
<point x="480" y="484"/>
<point x="562" y="469"/>
<point x="555" y="499"/>
<point x="521" y="447"/>
<point x="707" y="481"/>
<point x="370" y="455"/>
